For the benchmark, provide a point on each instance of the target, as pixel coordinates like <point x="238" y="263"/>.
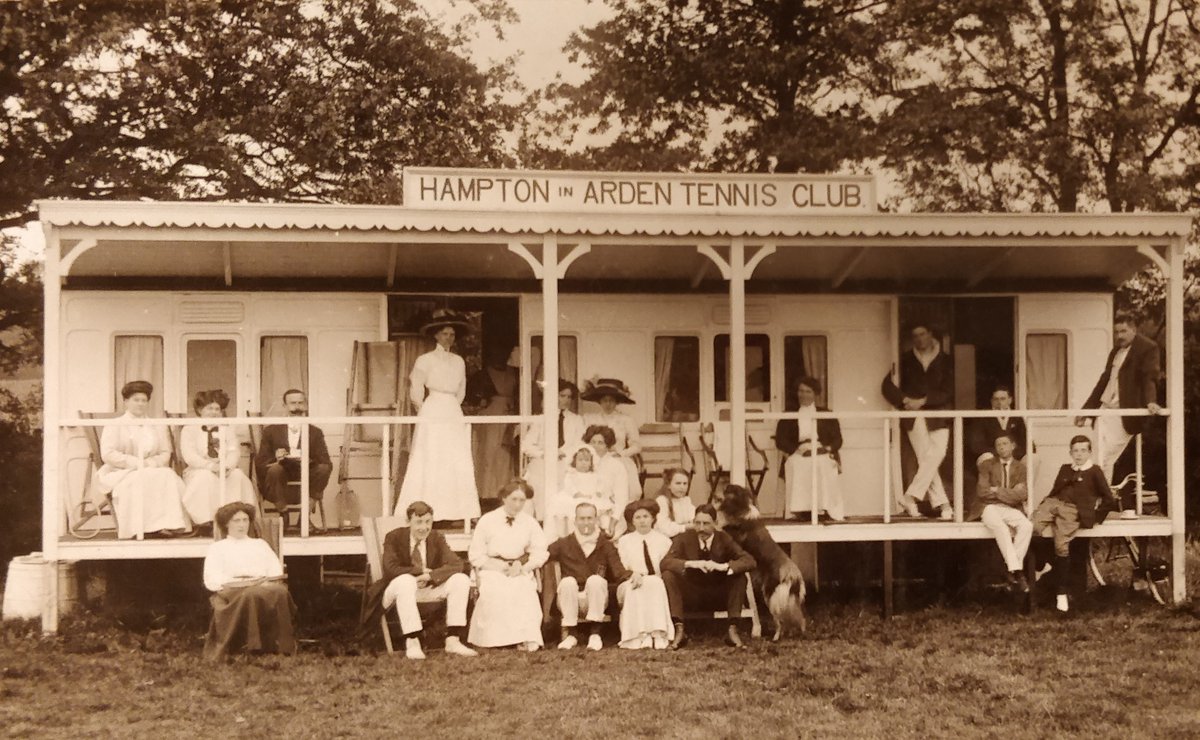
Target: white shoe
<point x="595" y="643"/>
<point x="1061" y="604"/>
<point x="946" y="514"/>
<point x="910" y="506"/>
<point x="454" y="646"/>
<point x="412" y="649"/>
<point x="1129" y="514"/>
<point x="568" y="643"/>
<point x="529" y="647"/>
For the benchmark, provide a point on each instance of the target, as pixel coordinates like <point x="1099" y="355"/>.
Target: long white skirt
<point x="149" y="500"/>
<point x="203" y="493"/>
<point x="645" y="613"/>
<point x="798" y="473"/>
<point x="440" y="469"/>
<point x="534" y="470"/>
<point x="507" y="611"/>
<point x="635" y="483"/>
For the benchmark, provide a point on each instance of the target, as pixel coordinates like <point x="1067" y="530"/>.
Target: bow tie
<point x="509" y="520"/>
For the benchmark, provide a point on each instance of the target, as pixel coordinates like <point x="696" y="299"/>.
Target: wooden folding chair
<point x="664" y="447"/>
<point x="87" y="509"/>
<point x="717" y="473"/>
<point x="316" y="505"/>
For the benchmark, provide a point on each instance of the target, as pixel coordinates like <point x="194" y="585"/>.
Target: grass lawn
<point x="1128" y="669"/>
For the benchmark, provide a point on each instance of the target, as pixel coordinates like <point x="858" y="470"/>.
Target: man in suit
<point x="589" y="565"/>
<point x="926" y="384"/>
<point x="706" y="569"/>
<point x="982" y="433"/>
<point x="278" y="459"/>
<point x="420" y="567"/>
<point x="1000" y="499"/>
<point x="1129" y="381"/>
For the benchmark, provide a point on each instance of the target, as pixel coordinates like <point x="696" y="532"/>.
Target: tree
<point x="20" y="311"/>
<point x="1045" y="105"/>
<point x="232" y="99"/>
<point x="754" y="85"/>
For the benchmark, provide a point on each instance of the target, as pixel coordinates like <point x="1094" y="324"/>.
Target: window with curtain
<point x="283" y="364"/>
<point x="212" y="365"/>
<point x="1046" y="371"/>
<point x="677" y="378"/>
<point x="138" y="357"/>
<point x="568" y="364"/>
<point x="758" y="368"/>
<point x="805" y="355"/>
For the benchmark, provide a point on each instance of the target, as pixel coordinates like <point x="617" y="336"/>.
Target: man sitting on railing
<point x="278" y="460"/>
<point x="1129" y="381"/>
<point x="926" y="383"/>
<point x="1074" y="503"/>
<point x="1001" y="495"/>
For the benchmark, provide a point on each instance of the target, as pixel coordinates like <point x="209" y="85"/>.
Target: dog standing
<point x="777" y="579"/>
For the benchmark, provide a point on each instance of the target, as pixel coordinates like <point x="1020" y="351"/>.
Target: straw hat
<point x="443" y="317"/>
<point x="601" y="387"/>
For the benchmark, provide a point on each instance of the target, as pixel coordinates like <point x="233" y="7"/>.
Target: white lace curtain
<point x="1046" y="371"/>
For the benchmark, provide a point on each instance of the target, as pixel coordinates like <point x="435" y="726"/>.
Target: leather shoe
<point x="680" y="638"/>
<point x="733" y="639"/>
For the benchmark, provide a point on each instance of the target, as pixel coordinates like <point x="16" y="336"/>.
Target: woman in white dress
<point x="252" y="609"/>
<point x="212" y="453"/>
<point x="675" y="507"/>
<point x="645" y="612"/>
<point x="794" y="438"/>
<point x="147" y="495"/>
<point x="570" y="433"/>
<point x="440" y="470"/>
<point x="508" y="546"/>
<point x="610" y="469"/>
<point x="608" y="393"/>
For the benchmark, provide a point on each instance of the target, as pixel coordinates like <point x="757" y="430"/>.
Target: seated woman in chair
<point x="645" y="611"/>
<point x="147" y="494"/>
<point x="506" y="550"/>
<point x="252" y="608"/>
<point x="212" y="453"/>
<point x="794" y="438"/>
<point x="675" y="507"/>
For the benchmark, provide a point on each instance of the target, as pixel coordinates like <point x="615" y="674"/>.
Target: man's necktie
<point x="1004" y="475"/>
<point x="704" y="546"/>
<point x="560" y="430"/>
<point x="212" y="441"/>
<point x="649" y="560"/>
<point x="417" y="560"/>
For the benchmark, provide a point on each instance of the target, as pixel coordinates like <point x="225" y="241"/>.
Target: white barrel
<point x="25" y="590"/>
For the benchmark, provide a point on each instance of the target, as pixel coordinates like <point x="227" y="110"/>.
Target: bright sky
<point x="539" y="36"/>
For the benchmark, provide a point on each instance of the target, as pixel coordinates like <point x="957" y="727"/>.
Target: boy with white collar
<point x="1073" y="503"/>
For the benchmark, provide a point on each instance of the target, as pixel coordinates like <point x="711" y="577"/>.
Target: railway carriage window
<point x="283" y="364"/>
<point x="212" y="364"/>
<point x="677" y="378"/>
<point x="805" y="355"/>
<point x="568" y="364"/>
<point x="138" y="357"/>
<point x="758" y="368"/>
<point x="1046" y="371"/>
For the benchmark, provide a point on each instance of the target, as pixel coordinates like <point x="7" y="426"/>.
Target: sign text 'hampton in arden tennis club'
<point x="621" y="192"/>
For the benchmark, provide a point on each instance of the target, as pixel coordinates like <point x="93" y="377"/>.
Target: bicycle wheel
<point x="1151" y="558"/>
<point x="1102" y="556"/>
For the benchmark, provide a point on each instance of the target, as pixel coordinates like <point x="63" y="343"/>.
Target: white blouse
<point x="684" y="510"/>
<point x="243" y="557"/>
<point x="135" y="447"/>
<point x="623" y="426"/>
<point x="193" y="442"/>
<point x="633" y="555"/>
<point x="440" y="371"/>
<point x="494" y="537"/>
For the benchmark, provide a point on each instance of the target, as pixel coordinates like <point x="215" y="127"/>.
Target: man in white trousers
<point x="1002" y="495"/>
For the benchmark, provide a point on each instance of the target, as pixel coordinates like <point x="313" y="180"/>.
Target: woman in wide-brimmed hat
<point x="440" y="469"/>
<point x="609" y="393"/>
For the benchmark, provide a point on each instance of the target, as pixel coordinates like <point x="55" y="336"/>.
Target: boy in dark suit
<point x="1001" y="495"/>
<point x="589" y="564"/>
<point x="419" y="567"/>
<point x="706" y="569"/>
<point x="278" y="459"/>
<point x="1073" y="503"/>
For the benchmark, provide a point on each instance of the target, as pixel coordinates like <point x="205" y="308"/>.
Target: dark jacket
<point x="686" y="546"/>
<point x="397" y="560"/>
<point x="1137" y="381"/>
<point x="1088" y="490"/>
<point x="980" y="437"/>
<point x="604" y="560"/>
<point x="935" y="385"/>
<point x="275" y="437"/>
<point x="991" y="473"/>
<point x="829" y="436"/>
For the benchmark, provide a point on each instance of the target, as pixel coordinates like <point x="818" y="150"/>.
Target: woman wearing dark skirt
<point x="252" y="609"/>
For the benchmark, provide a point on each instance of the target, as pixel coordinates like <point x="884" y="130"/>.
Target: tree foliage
<point x="755" y="86"/>
<point x="263" y="100"/>
<point x="1045" y="105"/>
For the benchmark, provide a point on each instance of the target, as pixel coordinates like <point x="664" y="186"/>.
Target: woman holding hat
<point x="440" y="469"/>
<point x="147" y="495"/>
<point x="608" y="393"/>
